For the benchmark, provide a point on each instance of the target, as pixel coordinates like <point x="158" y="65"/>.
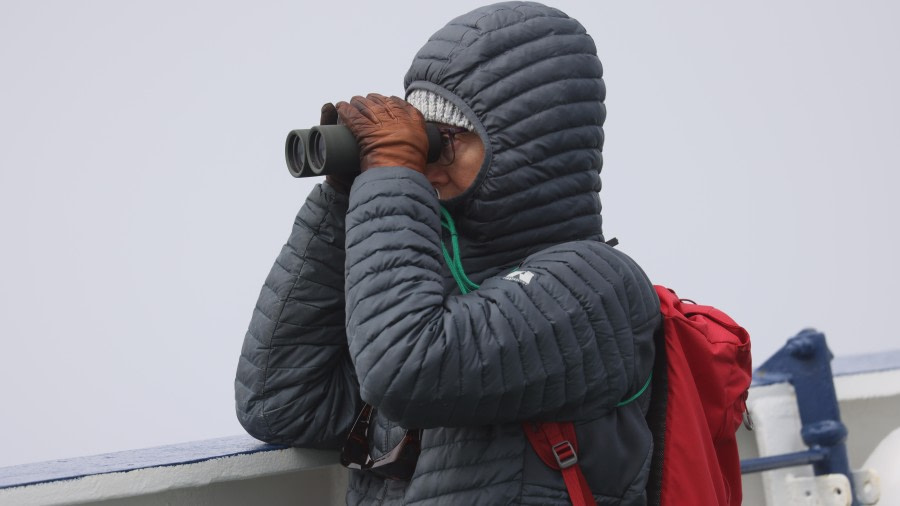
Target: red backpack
<point x="701" y="378"/>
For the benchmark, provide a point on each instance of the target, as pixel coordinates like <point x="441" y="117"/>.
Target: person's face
<point x="454" y="178"/>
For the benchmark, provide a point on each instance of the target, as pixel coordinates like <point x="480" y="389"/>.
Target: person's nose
<point x="436" y="174"/>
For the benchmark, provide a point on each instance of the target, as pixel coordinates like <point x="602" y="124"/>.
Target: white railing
<point x="228" y="471"/>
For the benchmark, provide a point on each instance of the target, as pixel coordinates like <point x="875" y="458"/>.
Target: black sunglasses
<point x="397" y="464"/>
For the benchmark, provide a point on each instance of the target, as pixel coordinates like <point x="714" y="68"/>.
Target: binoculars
<point x="332" y="149"/>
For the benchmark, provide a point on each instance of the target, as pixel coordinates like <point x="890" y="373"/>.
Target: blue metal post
<point x="803" y="458"/>
<point x="805" y="361"/>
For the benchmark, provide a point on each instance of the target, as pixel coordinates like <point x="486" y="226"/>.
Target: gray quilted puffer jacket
<point x="361" y="306"/>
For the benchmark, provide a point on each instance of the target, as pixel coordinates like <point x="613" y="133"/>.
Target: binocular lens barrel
<point x="295" y="153"/>
<point x="332" y="149"/>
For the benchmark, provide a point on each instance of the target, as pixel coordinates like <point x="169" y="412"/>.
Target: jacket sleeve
<point x="567" y="339"/>
<point x="295" y="384"/>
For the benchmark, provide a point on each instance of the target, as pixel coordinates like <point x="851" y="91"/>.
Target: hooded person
<point x="423" y="320"/>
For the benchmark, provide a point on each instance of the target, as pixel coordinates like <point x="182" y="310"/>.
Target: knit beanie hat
<point x="438" y="109"/>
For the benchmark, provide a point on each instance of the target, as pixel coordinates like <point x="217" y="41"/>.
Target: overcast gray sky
<point x="751" y="163"/>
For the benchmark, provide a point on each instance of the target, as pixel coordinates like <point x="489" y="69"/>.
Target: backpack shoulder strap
<point x="556" y="445"/>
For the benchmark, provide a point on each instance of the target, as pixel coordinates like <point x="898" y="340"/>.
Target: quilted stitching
<point x="569" y="345"/>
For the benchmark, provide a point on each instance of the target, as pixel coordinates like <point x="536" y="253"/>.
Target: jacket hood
<point x="528" y="78"/>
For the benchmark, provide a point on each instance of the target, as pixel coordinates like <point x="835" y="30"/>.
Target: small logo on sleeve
<point x="521" y="277"/>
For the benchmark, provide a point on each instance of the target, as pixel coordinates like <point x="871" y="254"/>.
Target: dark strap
<point x="656" y="420"/>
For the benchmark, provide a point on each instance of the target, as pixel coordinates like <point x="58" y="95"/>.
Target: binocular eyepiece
<point x="332" y="149"/>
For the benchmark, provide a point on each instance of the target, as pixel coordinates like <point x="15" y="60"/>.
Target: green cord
<point x="638" y="394"/>
<point x="466" y="285"/>
<point x="453" y="262"/>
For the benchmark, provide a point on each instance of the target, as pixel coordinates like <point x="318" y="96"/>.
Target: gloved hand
<point x="389" y="131"/>
<point x="340" y="182"/>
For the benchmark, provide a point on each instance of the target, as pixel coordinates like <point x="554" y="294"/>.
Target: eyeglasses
<point x="448" y="135"/>
<point x="397" y="464"/>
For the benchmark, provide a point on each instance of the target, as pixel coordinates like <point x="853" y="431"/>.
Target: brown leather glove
<point x="389" y="131"/>
<point x="340" y="182"/>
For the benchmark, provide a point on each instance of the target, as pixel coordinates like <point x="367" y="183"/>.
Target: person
<point x="422" y="315"/>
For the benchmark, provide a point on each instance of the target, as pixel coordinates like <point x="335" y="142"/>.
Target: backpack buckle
<point x="565" y="454"/>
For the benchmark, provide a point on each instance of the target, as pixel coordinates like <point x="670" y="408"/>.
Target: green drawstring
<point x="456" y="269"/>
<point x="466" y="285"/>
<point x="638" y="394"/>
